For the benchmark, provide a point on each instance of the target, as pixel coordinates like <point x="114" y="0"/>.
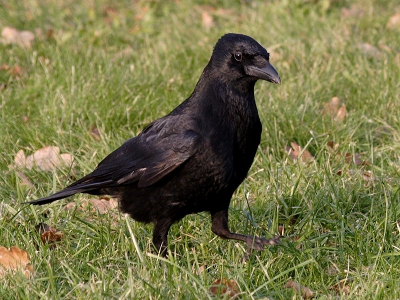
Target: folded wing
<point x="162" y="147"/>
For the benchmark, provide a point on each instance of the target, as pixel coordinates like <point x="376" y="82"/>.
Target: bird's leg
<point x="220" y="228"/>
<point x="160" y="235"/>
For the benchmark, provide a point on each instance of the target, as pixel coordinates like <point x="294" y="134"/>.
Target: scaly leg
<point x="220" y="228"/>
<point x="160" y="235"/>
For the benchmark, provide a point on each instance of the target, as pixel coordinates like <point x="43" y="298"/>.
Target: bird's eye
<point x="238" y="56"/>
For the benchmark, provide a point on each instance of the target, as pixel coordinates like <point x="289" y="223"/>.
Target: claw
<point x="258" y="243"/>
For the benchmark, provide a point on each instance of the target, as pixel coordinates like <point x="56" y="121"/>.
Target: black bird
<point x="194" y="158"/>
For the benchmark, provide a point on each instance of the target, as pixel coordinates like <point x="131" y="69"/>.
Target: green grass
<point x="120" y="70"/>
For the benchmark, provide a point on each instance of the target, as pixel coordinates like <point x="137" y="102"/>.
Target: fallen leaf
<point x="354" y="11"/>
<point x="340" y="287"/>
<point x="332" y="270"/>
<point x="386" y="48"/>
<point x="336" y="109"/>
<point x="20" y="159"/>
<point x="103" y="205"/>
<point x="43" y="61"/>
<point x="201" y="270"/>
<point x="365" y="175"/>
<point x="13" y="36"/>
<point x="66" y="159"/>
<point x="394" y="21"/>
<point x="224" y="12"/>
<point x="25" y="180"/>
<point x="281" y="230"/>
<point x="223" y="287"/>
<point x="397" y="59"/>
<point x="142" y="12"/>
<point x="295" y="152"/>
<point x="15" y="71"/>
<point x="304" y="291"/>
<point x="352" y="159"/>
<point x="94" y="131"/>
<point x="47" y="159"/>
<point x="369" y="50"/>
<point x="355" y="159"/>
<point x="70" y="205"/>
<point x="13" y="260"/>
<point x="332" y="146"/>
<point x="110" y="15"/>
<point x="207" y="20"/>
<point x="48" y="234"/>
<point x="342" y="113"/>
<point x="124" y="53"/>
<point x="396" y="233"/>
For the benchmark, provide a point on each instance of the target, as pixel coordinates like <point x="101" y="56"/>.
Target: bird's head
<point x="239" y="56"/>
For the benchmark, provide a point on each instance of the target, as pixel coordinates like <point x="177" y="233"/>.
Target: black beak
<point x="267" y="73"/>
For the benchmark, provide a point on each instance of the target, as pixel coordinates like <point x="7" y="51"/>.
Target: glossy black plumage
<point x="194" y="158"/>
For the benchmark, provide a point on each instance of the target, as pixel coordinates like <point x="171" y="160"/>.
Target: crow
<point x="194" y="158"/>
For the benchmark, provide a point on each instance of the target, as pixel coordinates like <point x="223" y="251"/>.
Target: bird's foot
<point x="258" y="243"/>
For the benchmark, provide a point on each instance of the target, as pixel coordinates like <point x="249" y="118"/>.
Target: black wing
<point x="162" y="147"/>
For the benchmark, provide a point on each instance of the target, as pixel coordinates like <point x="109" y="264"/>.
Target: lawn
<point x="90" y="74"/>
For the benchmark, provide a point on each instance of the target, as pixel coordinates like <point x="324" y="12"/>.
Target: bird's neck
<point x="226" y="101"/>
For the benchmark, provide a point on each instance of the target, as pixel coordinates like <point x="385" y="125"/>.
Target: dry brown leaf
<point x="104" y="205"/>
<point x="332" y="146"/>
<point x="20" y="159"/>
<point x="354" y="173"/>
<point x="94" y="132"/>
<point x="13" y="36"/>
<point x="354" y="11"/>
<point x="336" y="109"/>
<point x="331" y="107"/>
<point x="70" y="205"/>
<point x="355" y="159"/>
<point x="25" y="180"/>
<point x="397" y="59"/>
<point x="15" y="71"/>
<point x="124" y="53"/>
<point x="48" y="234"/>
<point x="350" y="158"/>
<point x="295" y="152"/>
<point x="385" y="48"/>
<point x="101" y="205"/>
<point x="340" y="287"/>
<point x="225" y="287"/>
<point x="281" y="230"/>
<point x="304" y="291"/>
<point x="332" y="270"/>
<point x="47" y="34"/>
<point x="394" y="21"/>
<point x="365" y="175"/>
<point x="110" y="14"/>
<point x="201" y="270"/>
<point x="66" y="159"/>
<point x="142" y="11"/>
<point x="342" y="113"/>
<point x="224" y="12"/>
<point x="13" y="260"/>
<point x="369" y="50"/>
<point x="47" y="159"/>
<point x="207" y="20"/>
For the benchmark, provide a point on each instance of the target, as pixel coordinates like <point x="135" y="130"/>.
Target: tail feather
<point x="57" y="196"/>
<point x="81" y="186"/>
